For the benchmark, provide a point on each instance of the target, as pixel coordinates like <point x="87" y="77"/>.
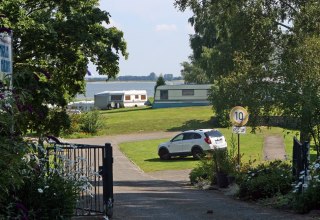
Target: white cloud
<point x="166" y="27"/>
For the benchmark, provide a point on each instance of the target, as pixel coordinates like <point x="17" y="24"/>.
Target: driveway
<point x="168" y="195"/>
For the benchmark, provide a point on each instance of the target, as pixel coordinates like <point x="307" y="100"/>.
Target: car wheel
<point x="164" y="154"/>
<point x="197" y="153"/>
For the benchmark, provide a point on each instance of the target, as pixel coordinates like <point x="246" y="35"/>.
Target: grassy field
<point x="251" y="146"/>
<point x="131" y="120"/>
<point x="146" y="119"/>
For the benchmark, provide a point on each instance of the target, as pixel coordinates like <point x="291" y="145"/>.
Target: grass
<point x="146" y="119"/>
<point x="147" y="156"/>
<point x="251" y="146"/>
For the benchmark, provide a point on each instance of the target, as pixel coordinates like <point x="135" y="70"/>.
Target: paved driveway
<point x="167" y="195"/>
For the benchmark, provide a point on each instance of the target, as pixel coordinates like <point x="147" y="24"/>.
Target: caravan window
<point x="128" y="97"/>
<point x="188" y="92"/>
<point x="137" y="96"/>
<point x="143" y="97"/>
<point x="116" y="97"/>
<point x="163" y="94"/>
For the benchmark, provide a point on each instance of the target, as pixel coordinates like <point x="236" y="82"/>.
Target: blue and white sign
<point x="5" y="54"/>
<point x="239" y="130"/>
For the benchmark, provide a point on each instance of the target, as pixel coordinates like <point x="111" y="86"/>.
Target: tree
<point x="192" y="73"/>
<point x="251" y="50"/>
<point x="160" y="82"/>
<point x="299" y="72"/>
<point x="53" y="43"/>
<point x="152" y="76"/>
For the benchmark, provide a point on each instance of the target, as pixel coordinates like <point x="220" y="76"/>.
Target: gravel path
<point x="167" y="194"/>
<point x="273" y="148"/>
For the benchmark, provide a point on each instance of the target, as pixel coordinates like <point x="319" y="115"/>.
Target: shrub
<point x="308" y="200"/>
<point x="47" y="197"/>
<point x="87" y="122"/>
<point x="46" y="190"/>
<point x="75" y="123"/>
<point x="265" y="180"/>
<point x="307" y="196"/>
<point x="90" y="122"/>
<point x="11" y="152"/>
<point x="203" y="171"/>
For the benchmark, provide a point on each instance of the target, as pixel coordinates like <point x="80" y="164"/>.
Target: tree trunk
<point x="305" y="132"/>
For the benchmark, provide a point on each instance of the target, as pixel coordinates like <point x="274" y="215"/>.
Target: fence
<point x="95" y="165"/>
<point x="300" y="160"/>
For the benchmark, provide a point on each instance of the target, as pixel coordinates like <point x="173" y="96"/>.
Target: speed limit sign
<point x="239" y="116"/>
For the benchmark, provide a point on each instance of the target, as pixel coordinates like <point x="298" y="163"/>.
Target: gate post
<point x="107" y="177"/>
<point x="297" y="165"/>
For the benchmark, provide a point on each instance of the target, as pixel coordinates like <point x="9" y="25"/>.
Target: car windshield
<point x="213" y="133"/>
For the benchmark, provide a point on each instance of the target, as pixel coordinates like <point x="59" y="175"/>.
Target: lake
<point x="97" y="87"/>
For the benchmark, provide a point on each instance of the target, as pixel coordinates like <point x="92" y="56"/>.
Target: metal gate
<point x="94" y="165"/>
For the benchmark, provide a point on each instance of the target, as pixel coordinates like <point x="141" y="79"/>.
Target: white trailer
<point x="120" y="99"/>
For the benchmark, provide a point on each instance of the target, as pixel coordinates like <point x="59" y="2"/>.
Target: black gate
<point x="92" y="164"/>
<point x="300" y="158"/>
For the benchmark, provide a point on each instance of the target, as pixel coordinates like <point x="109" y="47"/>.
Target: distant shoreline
<point x="117" y="81"/>
<point x="105" y="80"/>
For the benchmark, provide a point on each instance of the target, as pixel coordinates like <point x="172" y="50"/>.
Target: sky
<point x="157" y="35"/>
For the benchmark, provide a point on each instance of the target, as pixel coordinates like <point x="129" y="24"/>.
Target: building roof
<point x="124" y="92"/>
<point x="185" y="86"/>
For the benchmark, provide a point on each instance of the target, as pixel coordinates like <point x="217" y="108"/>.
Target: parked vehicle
<point x="192" y="143"/>
<point x="168" y="96"/>
<point x="120" y="99"/>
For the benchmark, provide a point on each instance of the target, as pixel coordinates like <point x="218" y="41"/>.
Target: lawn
<point x="131" y="120"/>
<point x="146" y="119"/>
<point x="251" y="146"/>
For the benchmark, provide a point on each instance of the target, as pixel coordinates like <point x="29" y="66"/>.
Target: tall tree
<point x="247" y="49"/>
<point x="299" y="71"/>
<point x="160" y="82"/>
<point x="52" y="45"/>
<point x="192" y="73"/>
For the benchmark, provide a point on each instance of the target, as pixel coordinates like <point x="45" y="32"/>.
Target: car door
<point x="188" y="141"/>
<point x="176" y="144"/>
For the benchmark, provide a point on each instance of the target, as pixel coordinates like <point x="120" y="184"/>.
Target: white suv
<point x="193" y="142"/>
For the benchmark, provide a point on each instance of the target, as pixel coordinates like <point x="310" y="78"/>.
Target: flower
<point x="40" y="190"/>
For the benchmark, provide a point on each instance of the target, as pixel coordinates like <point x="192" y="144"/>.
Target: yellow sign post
<point x="239" y="117"/>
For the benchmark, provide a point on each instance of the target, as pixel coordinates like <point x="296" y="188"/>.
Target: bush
<point x="11" y="152"/>
<point x="307" y="196"/>
<point x="90" y="122"/>
<point x="203" y="171"/>
<point x="45" y="197"/>
<point x="75" y="123"/>
<point x="265" y="180"/>
<point x="45" y="191"/>
<point x="87" y="122"/>
<point x="308" y="200"/>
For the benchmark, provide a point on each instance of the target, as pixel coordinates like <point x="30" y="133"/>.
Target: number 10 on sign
<point x="239" y="116"/>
